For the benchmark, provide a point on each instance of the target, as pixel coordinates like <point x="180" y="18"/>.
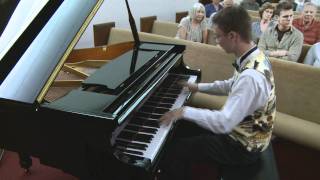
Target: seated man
<point x="237" y="134"/>
<point x="283" y="40"/>
<point x="308" y="25"/>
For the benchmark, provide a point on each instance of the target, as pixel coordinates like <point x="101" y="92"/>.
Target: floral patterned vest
<point x="255" y="130"/>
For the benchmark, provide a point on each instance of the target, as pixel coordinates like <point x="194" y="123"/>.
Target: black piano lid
<point x="117" y="78"/>
<point x="118" y="74"/>
<point x="25" y="80"/>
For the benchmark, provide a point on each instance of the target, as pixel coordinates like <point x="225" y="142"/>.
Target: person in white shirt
<point x="236" y="134"/>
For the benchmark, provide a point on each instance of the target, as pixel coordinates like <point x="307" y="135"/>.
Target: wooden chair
<point x="304" y="51"/>
<point x="180" y="15"/>
<point x="146" y="23"/>
<point x="101" y="33"/>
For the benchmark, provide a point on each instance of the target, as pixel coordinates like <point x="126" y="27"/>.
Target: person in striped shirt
<point x="308" y="25"/>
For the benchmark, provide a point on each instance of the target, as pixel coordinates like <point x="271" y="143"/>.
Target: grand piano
<point x="89" y="112"/>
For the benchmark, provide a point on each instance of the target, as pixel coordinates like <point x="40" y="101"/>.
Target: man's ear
<point x="232" y="35"/>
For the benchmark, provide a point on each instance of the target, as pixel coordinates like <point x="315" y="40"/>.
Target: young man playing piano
<point x="236" y="134"/>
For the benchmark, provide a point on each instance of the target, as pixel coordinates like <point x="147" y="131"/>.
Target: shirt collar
<point x="239" y="63"/>
<point x="276" y="26"/>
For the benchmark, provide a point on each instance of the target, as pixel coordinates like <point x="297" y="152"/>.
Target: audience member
<point x="308" y="25"/>
<point x="283" y="40"/>
<point x="213" y="7"/>
<point x="225" y="4"/>
<point x="313" y="55"/>
<point x="194" y="26"/>
<point x="250" y="5"/>
<point x="266" y="14"/>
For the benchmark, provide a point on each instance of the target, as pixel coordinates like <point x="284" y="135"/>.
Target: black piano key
<point x="135" y="136"/>
<point x="171" y="85"/>
<point x="149" y="116"/>
<point x="141" y="129"/>
<point x="134" y="157"/>
<point x="123" y="149"/>
<point x="160" y="99"/>
<point x="169" y="91"/>
<point x="143" y="138"/>
<point x="166" y="95"/>
<point x="132" y="145"/>
<point x="158" y="104"/>
<point x="154" y="110"/>
<point x="145" y="122"/>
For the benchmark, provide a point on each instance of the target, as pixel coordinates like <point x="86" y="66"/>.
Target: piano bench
<point x="264" y="169"/>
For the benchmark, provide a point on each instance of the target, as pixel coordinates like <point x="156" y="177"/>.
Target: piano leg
<point x="25" y="161"/>
<point x="1" y="153"/>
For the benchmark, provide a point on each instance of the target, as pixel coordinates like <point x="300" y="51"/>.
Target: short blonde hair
<point x="196" y="7"/>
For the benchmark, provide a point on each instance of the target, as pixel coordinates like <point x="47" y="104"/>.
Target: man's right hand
<point x="193" y="87"/>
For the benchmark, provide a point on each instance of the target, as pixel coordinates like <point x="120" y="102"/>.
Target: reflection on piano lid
<point x="38" y="54"/>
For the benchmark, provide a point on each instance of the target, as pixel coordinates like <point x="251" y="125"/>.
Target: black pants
<point x="193" y="144"/>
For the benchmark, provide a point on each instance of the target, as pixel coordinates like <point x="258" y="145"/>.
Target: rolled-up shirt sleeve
<point x="248" y="94"/>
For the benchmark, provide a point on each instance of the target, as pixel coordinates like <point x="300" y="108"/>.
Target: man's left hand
<point x="172" y="115"/>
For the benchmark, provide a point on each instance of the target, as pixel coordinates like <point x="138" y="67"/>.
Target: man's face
<point x="308" y="13"/>
<point x="285" y="18"/>
<point x="223" y="39"/>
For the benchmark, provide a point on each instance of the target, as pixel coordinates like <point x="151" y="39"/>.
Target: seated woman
<point x="258" y="27"/>
<point x="194" y="26"/>
<point x="313" y="55"/>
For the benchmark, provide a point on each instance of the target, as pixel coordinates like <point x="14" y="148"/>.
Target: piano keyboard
<point x="142" y="136"/>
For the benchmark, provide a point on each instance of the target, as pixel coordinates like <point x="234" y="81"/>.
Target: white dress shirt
<point x="247" y="94"/>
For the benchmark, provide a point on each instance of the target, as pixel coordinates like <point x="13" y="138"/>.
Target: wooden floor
<point x="293" y="162"/>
